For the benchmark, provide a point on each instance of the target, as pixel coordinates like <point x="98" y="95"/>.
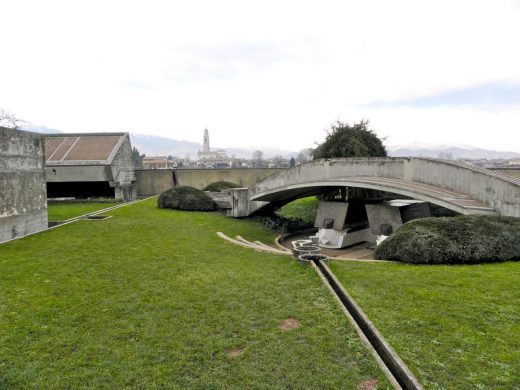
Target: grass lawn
<point x="63" y="211"/>
<point x="304" y="208"/>
<point x="456" y="327"/>
<point x="153" y="298"/>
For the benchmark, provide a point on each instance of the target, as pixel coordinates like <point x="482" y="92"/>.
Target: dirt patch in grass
<point x="369" y="384"/>
<point x="289" y="323"/>
<point x="235" y="352"/>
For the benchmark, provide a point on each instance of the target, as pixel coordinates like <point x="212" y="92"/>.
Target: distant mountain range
<point x="449" y="151"/>
<point x="38" y="129"/>
<point x="152" y="145"/>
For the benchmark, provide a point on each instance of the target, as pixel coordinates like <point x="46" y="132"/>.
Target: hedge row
<point x="451" y="240"/>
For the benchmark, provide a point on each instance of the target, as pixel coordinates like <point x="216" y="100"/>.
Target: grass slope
<point x="63" y="211"/>
<point x="153" y="298"/>
<point x="456" y="327"/>
<point x="304" y="208"/>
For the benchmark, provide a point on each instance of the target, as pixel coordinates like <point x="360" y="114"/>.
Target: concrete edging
<point x="250" y="245"/>
<point x="386" y="354"/>
<point x="79" y="218"/>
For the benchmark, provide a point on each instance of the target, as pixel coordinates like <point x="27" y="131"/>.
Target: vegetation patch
<point x="462" y="239"/>
<point x="63" y="211"/>
<point x="153" y="298"/>
<point x="304" y="209"/>
<point x="455" y="326"/>
<point x="282" y="224"/>
<point x="186" y="198"/>
<point x="220" y="186"/>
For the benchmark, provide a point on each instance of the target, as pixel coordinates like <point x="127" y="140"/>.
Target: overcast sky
<point x="267" y="73"/>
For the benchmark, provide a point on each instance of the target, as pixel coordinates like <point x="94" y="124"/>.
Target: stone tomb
<point x="342" y="224"/>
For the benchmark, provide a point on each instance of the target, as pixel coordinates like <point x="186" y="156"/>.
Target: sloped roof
<point x="84" y="148"/>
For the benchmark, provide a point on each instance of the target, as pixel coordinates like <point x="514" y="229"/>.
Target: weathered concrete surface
<point x="153" y="181"/>
<point x="113" y="166"/>
<point x="244" y="177"/>
<point x="456" y="186"/>
<point x="514" y="172"/>
<point x="241" y="204"/>
<point x="222" y="199"/>
<point x="393" y="214"/>
<point x="336" y="211"/>
<point x="23" y="200"/>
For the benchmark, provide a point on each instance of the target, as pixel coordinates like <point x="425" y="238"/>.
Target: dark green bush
<point x="219" y="186"/>
<point x="462" y="239"/>
<point x="283" y="224"/>
<point x="186" y="198"/>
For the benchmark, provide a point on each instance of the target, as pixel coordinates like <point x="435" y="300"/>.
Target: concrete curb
<point x="393" y="363"/>
<point x="79" y="218"/>
<point x="249" y="245"/>
<point x="360" y="333"/>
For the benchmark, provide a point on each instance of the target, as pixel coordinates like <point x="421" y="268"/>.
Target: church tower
<point x="205" y="147"/>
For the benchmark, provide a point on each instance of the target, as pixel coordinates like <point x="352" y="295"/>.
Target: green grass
<point x="153" y="298"/>
<point x="63" y="211"/>
<point x="304" y="208"/>
<point x="456" y="327"/>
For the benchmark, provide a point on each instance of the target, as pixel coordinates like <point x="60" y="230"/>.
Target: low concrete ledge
<point x="391" y="359"/>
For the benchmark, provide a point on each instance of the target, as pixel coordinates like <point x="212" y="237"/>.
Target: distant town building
<point x="213" y="159"/>
<point x="161" y="162"/>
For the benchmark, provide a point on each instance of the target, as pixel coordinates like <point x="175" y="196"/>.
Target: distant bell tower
<point x="205" y="148"/>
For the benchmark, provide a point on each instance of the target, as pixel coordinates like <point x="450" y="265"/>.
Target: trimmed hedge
<point x="186" y="198"/>
<point x="220" y="186"/>
<point x="450" y="240"/>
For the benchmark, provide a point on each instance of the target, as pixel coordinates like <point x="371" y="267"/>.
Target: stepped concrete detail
<point x="457" y="186"/>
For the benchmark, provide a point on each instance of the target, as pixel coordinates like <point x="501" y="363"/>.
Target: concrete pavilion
<point x="83" y="165"/>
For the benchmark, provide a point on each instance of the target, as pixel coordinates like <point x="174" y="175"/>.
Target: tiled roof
<point x="69" y="148"/>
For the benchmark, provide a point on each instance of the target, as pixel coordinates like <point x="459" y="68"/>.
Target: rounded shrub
<point x="220" y="186"/>
<point x="186" y="198"/>
<point x="451" y="240"/>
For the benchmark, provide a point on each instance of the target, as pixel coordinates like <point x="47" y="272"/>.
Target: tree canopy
<point x="344" y="140"/>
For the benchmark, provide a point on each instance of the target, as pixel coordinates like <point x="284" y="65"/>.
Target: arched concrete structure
<point x="457" y="186"/>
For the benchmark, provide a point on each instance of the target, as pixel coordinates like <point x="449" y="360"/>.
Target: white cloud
<point x="265" y="73"/>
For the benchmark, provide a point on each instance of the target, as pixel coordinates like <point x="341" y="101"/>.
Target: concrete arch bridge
<point x="457" y="186"/>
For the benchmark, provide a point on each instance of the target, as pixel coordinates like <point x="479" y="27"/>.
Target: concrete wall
<point x="23" y="199"/>
<point x="122" y="172"/>
<point x="244" y="177"/>
<point x="154" y="181"/>
<point x="498" y="191"/>
<point x="72" y="173"/>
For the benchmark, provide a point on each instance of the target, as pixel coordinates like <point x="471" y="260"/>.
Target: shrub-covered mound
<point x="186" y="198"/>
<point x="220" y="186"/>
<point x="462" y="239"/>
